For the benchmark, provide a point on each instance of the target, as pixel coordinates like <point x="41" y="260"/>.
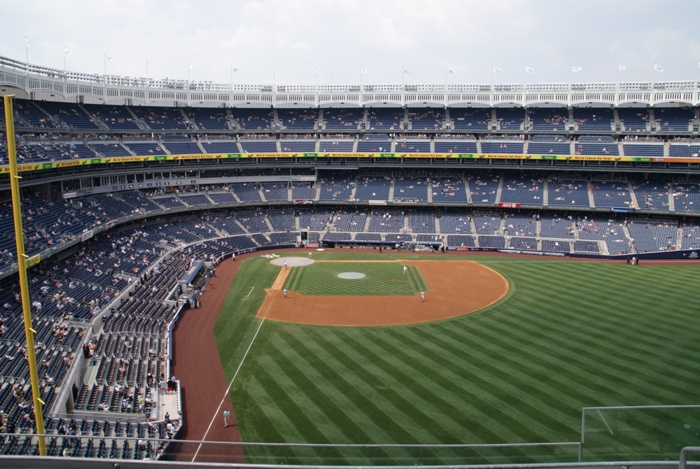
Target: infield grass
<point x="568" y="335"/>
<point x="380" y="279"/>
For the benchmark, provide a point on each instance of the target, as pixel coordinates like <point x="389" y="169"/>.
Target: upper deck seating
<point x="470" y="119"/>
<point x="342" y="119"/>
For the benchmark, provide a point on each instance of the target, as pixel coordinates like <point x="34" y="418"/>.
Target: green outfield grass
<point x="381" y="278"/>
<point x="568" y="335"/>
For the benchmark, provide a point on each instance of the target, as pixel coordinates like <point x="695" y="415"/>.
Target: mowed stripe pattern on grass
<point x="381" y="278"/>
<point x="569" y="335"/>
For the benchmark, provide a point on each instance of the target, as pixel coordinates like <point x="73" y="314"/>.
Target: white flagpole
<point x="317" y="74"/>
<point x="65" y="68"/>
<point x="274" y="84"/>
<point x="528" y="71"/>
<point x="447" y="71"/>
<point x="189" y="82"/>
<point x="363" y="70"/>
<point x="106" y="59"/>
<point x="361" y="98"/>
<point x="148" y="80"/>
<point x="494" y="71"/>
<point x="26" y="54"/>
<point x="231" y="94"/>
<point x="571" y="79"/>
<point x="105" y="76"/>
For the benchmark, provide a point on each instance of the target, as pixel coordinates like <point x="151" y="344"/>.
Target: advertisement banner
<point x="34" y="260"/>
<point x="213" y="156"/>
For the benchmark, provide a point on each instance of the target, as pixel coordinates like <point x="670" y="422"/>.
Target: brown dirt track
<point x="196" y="364"/>
<point x="464" y="288"/>
<point x="196" y="359"/>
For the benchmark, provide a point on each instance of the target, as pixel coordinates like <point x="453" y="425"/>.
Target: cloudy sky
<point x="332" y="41"/>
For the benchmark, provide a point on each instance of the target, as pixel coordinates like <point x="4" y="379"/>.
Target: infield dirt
<point x="454" y="289"/>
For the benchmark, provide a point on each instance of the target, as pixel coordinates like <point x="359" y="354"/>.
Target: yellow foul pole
<point x="22" y="268"/>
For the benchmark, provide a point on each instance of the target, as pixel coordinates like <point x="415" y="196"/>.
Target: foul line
<point x="251" y="291"/>
<point x="218" y="409"/>
<point x="605" y="421"/>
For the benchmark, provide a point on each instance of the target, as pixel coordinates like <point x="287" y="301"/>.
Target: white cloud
<point x="341" y="36"/>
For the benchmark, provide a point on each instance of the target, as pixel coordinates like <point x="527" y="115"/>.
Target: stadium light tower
<point x="22" y="270"/>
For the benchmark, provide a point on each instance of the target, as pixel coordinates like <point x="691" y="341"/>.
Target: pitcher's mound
<point x="351" y="275"/>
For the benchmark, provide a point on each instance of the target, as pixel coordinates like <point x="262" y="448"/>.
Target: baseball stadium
<point x="198" y="274"/>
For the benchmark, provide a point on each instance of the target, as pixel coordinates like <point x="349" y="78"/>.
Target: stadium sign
<point x="434" y="156"/>
<point x="623" y="210"/>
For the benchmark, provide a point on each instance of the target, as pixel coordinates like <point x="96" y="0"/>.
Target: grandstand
<point x="121" y="198"/>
